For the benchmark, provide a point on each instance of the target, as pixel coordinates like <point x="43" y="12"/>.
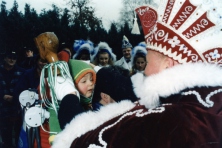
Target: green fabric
<point x="84" y="100"/>
<point x="51" y="71"/>
<point x="86" y="103"/>
<point x="53" y="122"/>
<point x="77" y="68"/>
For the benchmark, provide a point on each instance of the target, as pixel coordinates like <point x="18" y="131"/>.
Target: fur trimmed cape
<point x="180" y="106"/>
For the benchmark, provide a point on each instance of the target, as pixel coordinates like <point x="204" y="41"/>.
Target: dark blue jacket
<point x="29" y="80"/>
<point x="8" y="81"/>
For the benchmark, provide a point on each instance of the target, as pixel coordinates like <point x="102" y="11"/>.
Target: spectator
<point x="29" y="61"/>
<point x="10" y="112"/>
<point x="103" y="55"/>
<point x="125" y="61"/>
<point x="139" y="58"/>
<point x="30" y="78"/>
<point x="83" y="50"/>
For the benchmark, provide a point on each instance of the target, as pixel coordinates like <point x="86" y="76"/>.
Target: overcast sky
<point x="108" y="10"/>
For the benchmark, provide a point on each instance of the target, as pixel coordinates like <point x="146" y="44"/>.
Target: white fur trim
<point x="137" y="49"/>
<point x="103" y="45"/>
<point x="84" y="46"/>
<point x="174" y="80"/>
<point x="89" y="121"/>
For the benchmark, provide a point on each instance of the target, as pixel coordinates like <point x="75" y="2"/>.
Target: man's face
<point x="155" y="63"/>
<point x="10" y="60"/>
<point x="127" y="53"/>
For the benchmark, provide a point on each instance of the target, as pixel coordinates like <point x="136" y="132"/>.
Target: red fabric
<point x="184" y="123"/>
<point x="44" y="136"/>
<point x="63" y="56"/>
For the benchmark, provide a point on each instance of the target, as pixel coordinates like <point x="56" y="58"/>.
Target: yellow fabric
<point x="51" y="139"/>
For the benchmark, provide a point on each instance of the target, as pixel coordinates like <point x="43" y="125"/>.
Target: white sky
<point x="108" y="10"/>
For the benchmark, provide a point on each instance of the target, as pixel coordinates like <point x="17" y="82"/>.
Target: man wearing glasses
<point x="10" y="112"/>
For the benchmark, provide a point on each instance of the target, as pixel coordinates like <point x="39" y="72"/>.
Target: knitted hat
<point x="140" y="49"/>
<point x="126" y="43"/>
<point x="114" y="81"/>
<point x="185" y="30"/>
<point x="79" y="69"/>
<point x="103" y="47"/>
<point x="80" y="46"/>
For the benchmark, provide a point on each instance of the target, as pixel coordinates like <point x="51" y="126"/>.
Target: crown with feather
<point x="185" y="30"/>
<point x="80" y="45"/>
<point x="103" y="47"/>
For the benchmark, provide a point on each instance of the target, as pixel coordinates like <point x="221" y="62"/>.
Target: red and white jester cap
<point x="185" y="30"/>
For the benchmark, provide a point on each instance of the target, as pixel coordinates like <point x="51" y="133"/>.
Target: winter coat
<point x="178" y="107"/>
<point x="8" y="81"/>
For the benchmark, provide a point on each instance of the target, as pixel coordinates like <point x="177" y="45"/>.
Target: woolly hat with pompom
<point x="79" y="69"/>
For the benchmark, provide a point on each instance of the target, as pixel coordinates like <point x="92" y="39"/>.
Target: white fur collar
<point x="174" y="80"/>
<point x="88" y="121"/>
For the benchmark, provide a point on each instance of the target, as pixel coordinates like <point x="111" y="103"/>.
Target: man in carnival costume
<point x="56" y="84"/>
<point x="125" y="61"/>
<point x="181" y="99"/>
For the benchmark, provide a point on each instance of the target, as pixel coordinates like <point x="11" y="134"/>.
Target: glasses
<point x="12" y="57"/>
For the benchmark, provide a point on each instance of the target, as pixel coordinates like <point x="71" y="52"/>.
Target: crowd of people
<point x="26" y="75"/>
<point x="164" y="92"/>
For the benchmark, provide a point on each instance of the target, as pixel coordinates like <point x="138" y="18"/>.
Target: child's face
<point x="86" y="85"/>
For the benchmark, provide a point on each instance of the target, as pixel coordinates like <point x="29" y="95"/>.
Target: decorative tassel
<point x="135" y="29"/>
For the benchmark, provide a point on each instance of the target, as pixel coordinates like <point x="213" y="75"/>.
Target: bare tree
<point x="84" y="13"/>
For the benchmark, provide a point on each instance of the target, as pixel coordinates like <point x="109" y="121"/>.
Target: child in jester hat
<point x="84" y="78"/>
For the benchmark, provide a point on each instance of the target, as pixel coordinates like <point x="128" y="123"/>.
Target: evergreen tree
<point x="115" y="40"/>
<point x="30" y="23"/>
<point x="3" y="24"/>
<point x="15" y="29"/>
